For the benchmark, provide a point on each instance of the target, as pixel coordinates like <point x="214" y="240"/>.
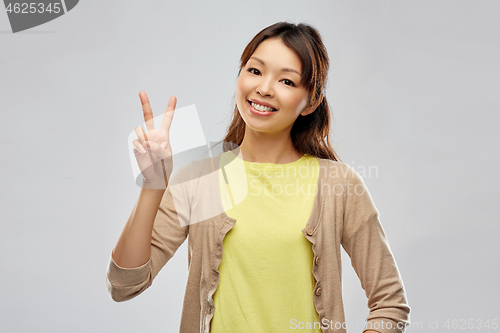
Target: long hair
<point x="309" y="133"/>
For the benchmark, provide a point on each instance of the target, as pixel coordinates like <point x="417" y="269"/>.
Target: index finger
<point x="169" y="113"/>
<point x="146" y="110"/>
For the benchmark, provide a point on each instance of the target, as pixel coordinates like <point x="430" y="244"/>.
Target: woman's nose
<point x="265" y="89"/>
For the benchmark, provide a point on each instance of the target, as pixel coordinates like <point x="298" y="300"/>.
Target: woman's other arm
<point x="366" y="244"/>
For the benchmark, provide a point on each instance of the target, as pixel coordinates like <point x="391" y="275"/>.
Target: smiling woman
<point x="269" y="262"/>
<point x="265" y="88"/>
<point x="284" y="67"/>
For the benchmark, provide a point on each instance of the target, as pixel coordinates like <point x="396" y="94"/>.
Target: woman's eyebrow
<point x="283" y="69"/>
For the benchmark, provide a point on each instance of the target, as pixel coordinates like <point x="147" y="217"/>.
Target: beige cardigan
<point x="343" y="214"/>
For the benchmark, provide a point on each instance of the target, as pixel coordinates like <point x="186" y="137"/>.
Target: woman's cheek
<point x="302" y="104"/>
<point x="298" y="101"/>
<point x="241" y="88"/>
<point x="238" y="92"/>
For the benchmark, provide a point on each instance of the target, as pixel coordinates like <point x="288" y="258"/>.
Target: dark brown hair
<point x="309" y="133"/>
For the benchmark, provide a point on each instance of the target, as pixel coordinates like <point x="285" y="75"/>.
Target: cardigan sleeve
<point x="366" y="244"/>
<point x="170" y="230"/>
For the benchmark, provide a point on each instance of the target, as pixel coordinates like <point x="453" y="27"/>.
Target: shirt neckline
<point x="267" y="164"/>
<point x="317" y="205"/>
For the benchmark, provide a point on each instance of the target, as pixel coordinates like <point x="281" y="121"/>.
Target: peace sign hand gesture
<point x="152" y="150"/>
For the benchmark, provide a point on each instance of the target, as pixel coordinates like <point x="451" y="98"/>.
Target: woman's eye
<point x="254" y="71"/>
<point x="288" y="82"/>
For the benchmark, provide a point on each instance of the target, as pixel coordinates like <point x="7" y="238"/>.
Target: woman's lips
<point x="259" y="113"/>
<point x="256" y="101"/>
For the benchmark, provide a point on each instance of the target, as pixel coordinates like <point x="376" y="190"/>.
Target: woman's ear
<point x="307" y="110"/>
<point x="311" y="107"/>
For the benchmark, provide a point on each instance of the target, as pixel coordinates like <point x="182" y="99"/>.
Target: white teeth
<point x="261" y="107"/>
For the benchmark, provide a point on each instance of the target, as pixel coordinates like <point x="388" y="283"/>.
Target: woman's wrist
<point x="159" y="184"/>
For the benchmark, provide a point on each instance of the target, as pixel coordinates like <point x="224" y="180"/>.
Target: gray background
<point x="413" y="88"/>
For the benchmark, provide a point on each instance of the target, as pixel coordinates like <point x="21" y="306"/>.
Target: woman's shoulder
<point x="335" y="170"/>
<point x="193" y="169"/>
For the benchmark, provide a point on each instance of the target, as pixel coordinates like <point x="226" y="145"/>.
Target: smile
<point x="262" y="107"/>
<point x="257" y="109"/>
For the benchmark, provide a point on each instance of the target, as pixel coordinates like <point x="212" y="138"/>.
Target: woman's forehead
<point x="273" y="52"/>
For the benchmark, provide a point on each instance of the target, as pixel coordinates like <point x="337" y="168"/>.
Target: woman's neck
<point x="267" y="148"/>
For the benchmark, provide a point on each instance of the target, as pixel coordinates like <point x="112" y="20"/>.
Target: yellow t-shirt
<point x="266" y="282"/>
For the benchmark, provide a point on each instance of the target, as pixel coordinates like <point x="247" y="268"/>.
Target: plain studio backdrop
<point x="413" y="87"/>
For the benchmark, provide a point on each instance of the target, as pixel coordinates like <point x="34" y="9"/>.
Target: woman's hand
<point x="152" y="150"/>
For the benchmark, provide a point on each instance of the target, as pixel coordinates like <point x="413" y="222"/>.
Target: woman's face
<point x="271" y="80"/>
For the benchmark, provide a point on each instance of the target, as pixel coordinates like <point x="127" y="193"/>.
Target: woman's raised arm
<point x="154" y="157"/>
